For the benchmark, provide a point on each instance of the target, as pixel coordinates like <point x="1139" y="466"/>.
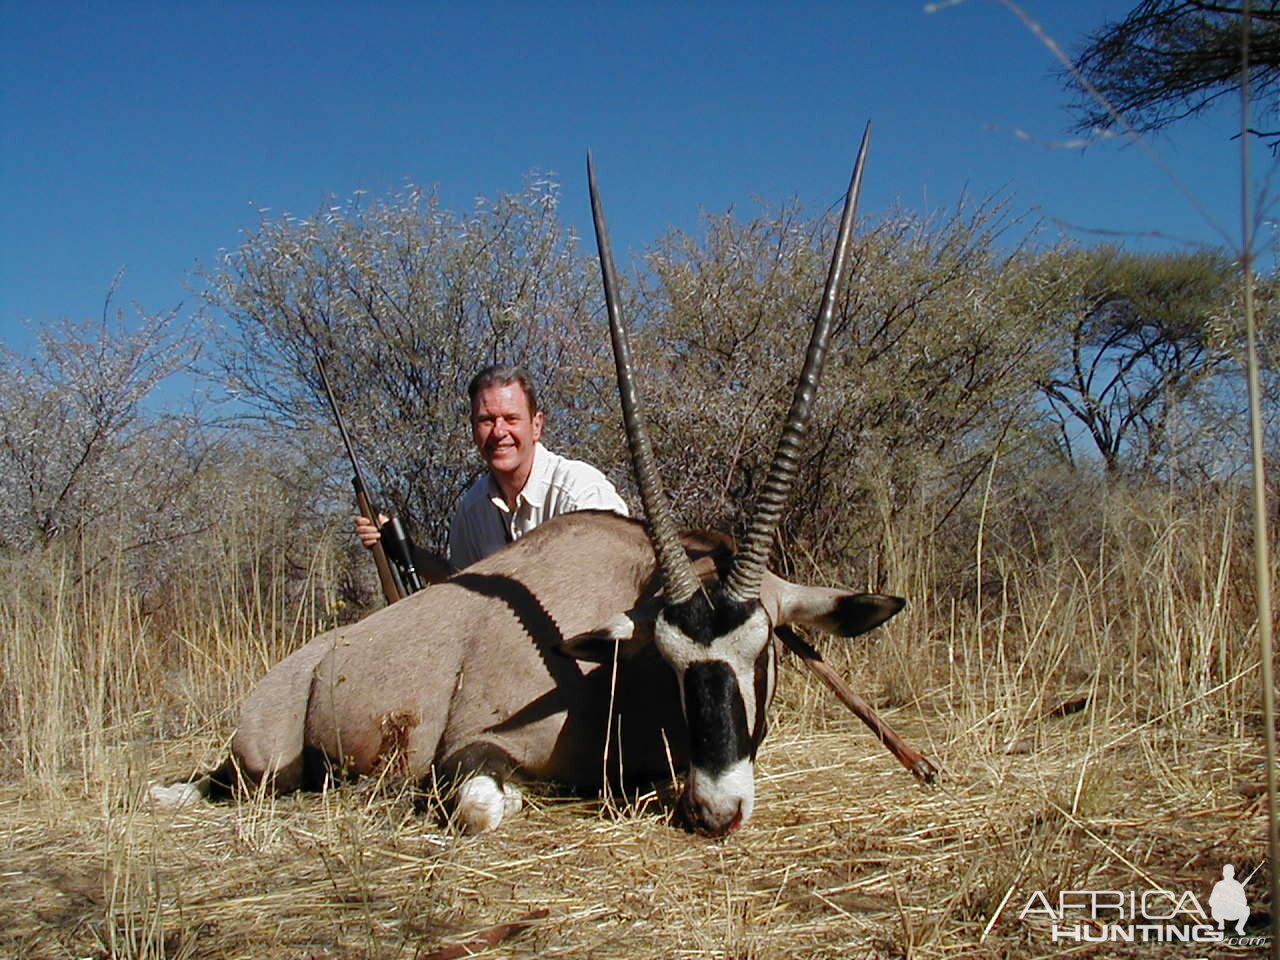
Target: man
<point x="526" y="484"/>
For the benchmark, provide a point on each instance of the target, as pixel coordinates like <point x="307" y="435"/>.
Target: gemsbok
<point x="595" y="648"/>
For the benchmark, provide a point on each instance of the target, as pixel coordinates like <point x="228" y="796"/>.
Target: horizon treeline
<point x="981" y="378"/>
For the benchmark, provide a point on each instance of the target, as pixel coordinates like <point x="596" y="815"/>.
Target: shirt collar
<point x="536" y="484"/>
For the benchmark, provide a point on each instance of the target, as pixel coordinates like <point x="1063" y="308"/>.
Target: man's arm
<point x="464" y="549"/>
<point x="599" y="496"/>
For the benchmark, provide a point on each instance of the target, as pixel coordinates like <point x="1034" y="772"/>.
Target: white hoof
<point x="178" y="796"/>
<point x="482" y="803"/>
<point x="512" y="800"/>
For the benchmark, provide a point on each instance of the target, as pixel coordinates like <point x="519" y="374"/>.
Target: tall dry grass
<point x="1139" y="599"/>
<point x="1057" y="669"/>
<point x="95" y="669"/>
<point x="1150" y="619"/>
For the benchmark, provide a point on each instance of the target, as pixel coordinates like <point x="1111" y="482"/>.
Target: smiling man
<point x="525" y="484"/>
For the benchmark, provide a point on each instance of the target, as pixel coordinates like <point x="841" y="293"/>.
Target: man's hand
<point x="431" y="568"/>
<point x="368" y="531"/>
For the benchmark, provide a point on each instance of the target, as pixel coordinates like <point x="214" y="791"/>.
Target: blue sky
<point x="146" y="135"/>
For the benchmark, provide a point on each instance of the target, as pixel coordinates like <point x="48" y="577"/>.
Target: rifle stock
<point x="386" y="576"/>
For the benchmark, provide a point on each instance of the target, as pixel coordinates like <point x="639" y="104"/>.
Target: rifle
<point x="402" y="580"/>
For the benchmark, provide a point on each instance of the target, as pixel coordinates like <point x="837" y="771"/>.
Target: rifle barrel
<point x="386" y="576"/>
<point x="342" y="426"/>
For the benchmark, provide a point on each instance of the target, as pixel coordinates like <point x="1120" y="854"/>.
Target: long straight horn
<point x="678" y="579"/>
<point x="743" y="581"/>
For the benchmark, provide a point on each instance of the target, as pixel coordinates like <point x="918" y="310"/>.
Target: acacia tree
<point x="933" y="359"/>
<point x="1142" y="336"/>
<point x="1171" y="59"/>
<point x="76" y="444"/>
<point x="96" y="474"/>
<point x="406" y="300"/>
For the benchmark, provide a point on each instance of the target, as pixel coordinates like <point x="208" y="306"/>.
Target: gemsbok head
<point x="716" y="631"/>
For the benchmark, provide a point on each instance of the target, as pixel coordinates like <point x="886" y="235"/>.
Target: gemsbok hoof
<point x="177" y="796"/>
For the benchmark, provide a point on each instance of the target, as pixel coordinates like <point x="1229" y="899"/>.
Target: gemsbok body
<point x="596" y="647"/>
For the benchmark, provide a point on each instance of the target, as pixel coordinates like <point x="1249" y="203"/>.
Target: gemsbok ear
<point x="623" y="636"/>
<point x="837" y="612"/>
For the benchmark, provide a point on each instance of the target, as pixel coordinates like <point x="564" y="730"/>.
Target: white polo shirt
<point x="484" y="523"/>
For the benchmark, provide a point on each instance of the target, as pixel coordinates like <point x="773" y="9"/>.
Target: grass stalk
<point x="1261" y="536"/>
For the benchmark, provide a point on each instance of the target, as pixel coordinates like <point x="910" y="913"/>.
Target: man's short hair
<point x="501" y="374"/>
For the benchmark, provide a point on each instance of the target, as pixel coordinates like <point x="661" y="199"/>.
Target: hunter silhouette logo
<point x="1228" y="902"/>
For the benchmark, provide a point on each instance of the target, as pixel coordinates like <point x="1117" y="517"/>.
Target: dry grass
<point x="1096" y="718"/>
<point x="845" y="858"/>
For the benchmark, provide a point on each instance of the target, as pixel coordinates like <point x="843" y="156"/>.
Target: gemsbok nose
<point x="718" y="805"/>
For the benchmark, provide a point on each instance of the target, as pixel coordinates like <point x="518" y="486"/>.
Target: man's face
<point x="504" y="430"/>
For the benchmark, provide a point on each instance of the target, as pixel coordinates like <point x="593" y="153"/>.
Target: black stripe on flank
<point x="716" y="715"/>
